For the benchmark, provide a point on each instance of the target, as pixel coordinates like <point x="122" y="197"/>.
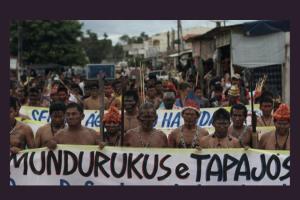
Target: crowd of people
<point x="68" y="97"/>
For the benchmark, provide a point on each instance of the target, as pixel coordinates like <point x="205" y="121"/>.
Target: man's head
<point x="57" y="112"/>
<point x="151" y="91"/>
<point x="131" y="100"/>
<point x="221" y="122"/>
<point x="198" y="92"/>
<point x="76" y="89"/>
<point x="147" y="115"/>
<point x="94" y="89"/>
<point x="184" y="89"/>
<point x="21" y="94"/>
<point x="74" y="114"/>
<point x="169" y="99"/>
<point x="63" y="94"/>
<point x="12" y="109"/>
<point x="282" y="119"/>
<point x="108" y="89"/>
<point x="158" y="87"/>
<point x="190" y="113"/>
<point x="235" y="79"/>
<point x="238" y="114"/>
<point x="266" y="105"/>
<point x="87" y="90"/>
<point x="117" y="86"/>
<point x="112" y="120"/>
<point x="218" y="89"/>
<point x="34" y="96"/>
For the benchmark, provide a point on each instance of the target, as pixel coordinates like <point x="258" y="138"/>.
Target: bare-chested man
<point x="112" y="123"/>
<point x="75" y="133"/>
<point x="189" y="134"/>
<point x="45" y="133"/>
<point x="279" y="139"/>
<point x="220" y="138"/>
<point x="93" y="102"/>
<point x="131" y="100"/>
<point x="145" y="135"/>
<point x="108" y="93"/>
<point x="266" y="106"/>
<point x="238" y="129"/>
<point x="63" y="94"/>
<point x="21" y="135"/>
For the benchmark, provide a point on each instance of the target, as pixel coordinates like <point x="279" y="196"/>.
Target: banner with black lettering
<point x="86" y="165"/>
<point x="167" y="119"/>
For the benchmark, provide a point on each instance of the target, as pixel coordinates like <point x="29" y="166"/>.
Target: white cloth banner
<point x="86" y="165"/>
<point x="258" y="51"/>
<point x="167" y="119"/>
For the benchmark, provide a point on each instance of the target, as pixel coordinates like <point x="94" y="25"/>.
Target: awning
<point x="181" y="53"/>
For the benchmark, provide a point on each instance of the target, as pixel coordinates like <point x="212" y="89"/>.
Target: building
<point x="261" y="46"/>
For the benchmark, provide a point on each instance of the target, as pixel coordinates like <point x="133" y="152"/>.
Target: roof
<point x="255" y="28"/>
<point x="264" y="27"/>
<point x="210" y="34"/>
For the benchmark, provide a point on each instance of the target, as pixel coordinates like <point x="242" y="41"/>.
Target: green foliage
<point x="48" y="41"/>
<point x="125" y="39"/>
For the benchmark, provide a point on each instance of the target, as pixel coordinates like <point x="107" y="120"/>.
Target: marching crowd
<point x="68" y="96"/>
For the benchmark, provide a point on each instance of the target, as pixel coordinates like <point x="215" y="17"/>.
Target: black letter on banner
<point x="91" y="165"/>
<point x="51" y="157"/>
<point x="243" y="160"/>
<point x="162" y="166"/>
<point x="263" y="169"/>
<point x="131" y="165"/>
<point x="89" y="183"/>
<point x="286" y="165"/>
<point x="113" y="165"/>
<point x="67" y="156"/>
<point x="17" y="162"/>
<point x="43" y="164"/>
<point x="227" y="166"/>
<point x="218" y="173"/>
<point x="63" y="182"/>
<point x="180" y="169"/>
<point x="12" y="182"/>
<point x="199" y="159"/>
<point x="155" y="167"/>
<point x="100" y="164"/>
<point x="277" y="167"/>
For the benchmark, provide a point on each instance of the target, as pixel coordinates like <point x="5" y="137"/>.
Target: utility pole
<point x="178" y="39"/>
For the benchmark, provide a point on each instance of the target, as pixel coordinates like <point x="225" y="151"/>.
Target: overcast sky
<point x="117" y="28"/>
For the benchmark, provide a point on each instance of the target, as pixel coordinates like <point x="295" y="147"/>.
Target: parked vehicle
<point x="160" y="75"/>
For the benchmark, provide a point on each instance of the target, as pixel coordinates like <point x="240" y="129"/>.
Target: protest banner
<point x="86" y="165"/>
<point x="167" y="119"/>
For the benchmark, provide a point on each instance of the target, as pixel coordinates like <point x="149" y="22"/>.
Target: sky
<point x="116" y="28"/>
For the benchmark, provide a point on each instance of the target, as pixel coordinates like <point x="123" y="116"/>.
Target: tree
<point x="95" y="49"/>
<point x="105" y="36"/>
<point x="48" y="41"/>
<point x="118" y="53"/>
<point x="144" y="36"/>
<point x="125" y="39"/>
